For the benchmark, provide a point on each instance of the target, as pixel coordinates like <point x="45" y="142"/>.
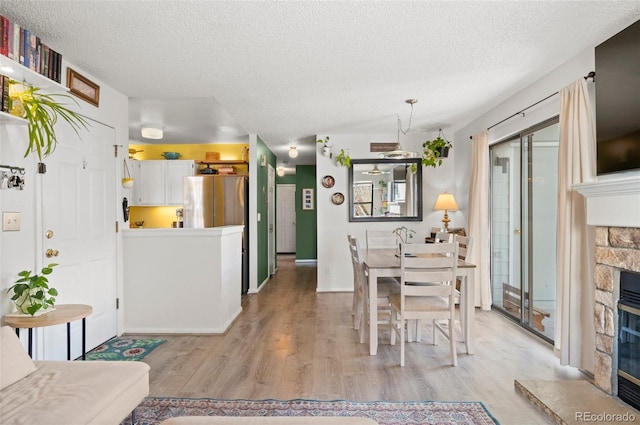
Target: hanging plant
<point x="344" y="158"/>
<point x="435" y="150"/>
<point x="42" y="112"/>
<point x="326" y="147"/>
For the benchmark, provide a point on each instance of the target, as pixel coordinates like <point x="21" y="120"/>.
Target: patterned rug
<point x="122" y="348"/>
<point x="154" y="410"/>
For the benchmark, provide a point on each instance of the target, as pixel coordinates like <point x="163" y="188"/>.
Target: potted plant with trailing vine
<point x="42" y="112"/>
<point x="31" y="293"/>
<point x="326" y="147"/>
<point x="433" y="151"/>
<point x="343" y="158"/>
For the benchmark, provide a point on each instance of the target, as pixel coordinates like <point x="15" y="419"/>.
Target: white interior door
<point x="78" y="222"/>
<point x="286" y="221"/>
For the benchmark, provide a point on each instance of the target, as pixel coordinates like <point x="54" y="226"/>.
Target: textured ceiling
<point x="218" y="70"/>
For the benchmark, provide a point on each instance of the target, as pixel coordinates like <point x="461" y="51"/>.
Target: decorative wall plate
<point x="328" y="181"/>
<point x="337" y="198"/>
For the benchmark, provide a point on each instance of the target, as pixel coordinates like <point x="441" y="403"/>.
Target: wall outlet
<point x="10" y="221"/>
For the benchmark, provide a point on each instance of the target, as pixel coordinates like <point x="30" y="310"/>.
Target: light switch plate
<point x="10" y="221"/>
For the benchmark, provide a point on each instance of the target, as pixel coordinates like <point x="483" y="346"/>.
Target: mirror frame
<point x="375" y="161"/>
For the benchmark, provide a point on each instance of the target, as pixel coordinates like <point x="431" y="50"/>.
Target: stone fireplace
<point x="613" y="206"/>
<point x="617" y="248"/>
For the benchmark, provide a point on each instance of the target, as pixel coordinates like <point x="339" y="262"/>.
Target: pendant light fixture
<point x="398" y="152"/>
<point x="375" y="171"/>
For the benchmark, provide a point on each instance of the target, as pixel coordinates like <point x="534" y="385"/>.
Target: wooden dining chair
<point x="426" y="292"/>
<point x="380" y="239"/>
<point x="464" y="249"/>
<point x="359" y="277"/>
<point x="444" y="237"/>
<point x="385" y="289"/>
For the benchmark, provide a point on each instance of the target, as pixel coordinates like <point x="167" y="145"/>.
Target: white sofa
<point x="66" y="392"/>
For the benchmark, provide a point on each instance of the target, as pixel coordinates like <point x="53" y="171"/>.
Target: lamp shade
<point x="293" y="152"/>
<point x="151" y="132"/>
<point x="446" y="201"/>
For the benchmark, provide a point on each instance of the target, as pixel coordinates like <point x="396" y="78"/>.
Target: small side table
<point x="63" y="313"/>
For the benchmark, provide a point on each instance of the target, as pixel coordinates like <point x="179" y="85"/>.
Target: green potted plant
<point x="343" y="158"/>
<point x="42" y="111"/>
<point x="434" y="150"/>
<point x="31" y="293"/>
<point x="326" y="147"/>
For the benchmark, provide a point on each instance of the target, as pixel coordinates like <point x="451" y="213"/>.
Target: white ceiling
<point x="289" y="70"/>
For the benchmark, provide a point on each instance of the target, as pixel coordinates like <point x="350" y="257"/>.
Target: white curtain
<point x="574" y="330"/>
<point x="479" y="218"/>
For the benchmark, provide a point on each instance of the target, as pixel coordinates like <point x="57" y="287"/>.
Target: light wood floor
<point x="291" y="342"/>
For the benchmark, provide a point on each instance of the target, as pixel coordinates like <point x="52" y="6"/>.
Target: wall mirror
<point x="385" y="190"/>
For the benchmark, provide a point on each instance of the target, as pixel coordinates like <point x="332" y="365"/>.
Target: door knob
<point x="517" y="231"/>
<point x="49" y="234"/>
<point x="51" y="253"/>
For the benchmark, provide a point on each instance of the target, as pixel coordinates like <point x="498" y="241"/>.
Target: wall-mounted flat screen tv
<point x="618" y="101"/>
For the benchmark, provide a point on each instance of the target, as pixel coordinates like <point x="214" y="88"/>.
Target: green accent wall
<point x="306" y="220"/>
<point x="262" y="180"/>
<point x="286" y="179"/>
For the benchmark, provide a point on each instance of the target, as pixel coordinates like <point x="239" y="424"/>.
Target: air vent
<point x="629" y="392"/>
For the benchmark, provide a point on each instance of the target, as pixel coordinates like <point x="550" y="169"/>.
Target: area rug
<point x="122" y="348"/>
<point x="154" y="410"/>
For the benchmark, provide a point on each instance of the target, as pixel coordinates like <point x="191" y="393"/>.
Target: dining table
<point x="386" y="263"/>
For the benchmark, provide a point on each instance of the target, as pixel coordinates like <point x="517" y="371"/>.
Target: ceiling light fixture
<point x="398" y="152"/>
<point x="281" y="171"/>
<point x="151" y="132"/>
<point x="293" y="152"/>
<point x="375" y="171"/>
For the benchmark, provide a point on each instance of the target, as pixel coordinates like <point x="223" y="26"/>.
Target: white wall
<point x="21" y="250"/>
<point x="334" y="264"/>
<point x="570" y="71"/>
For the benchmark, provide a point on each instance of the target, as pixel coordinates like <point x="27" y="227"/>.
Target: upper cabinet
<point x="159" y="182"/>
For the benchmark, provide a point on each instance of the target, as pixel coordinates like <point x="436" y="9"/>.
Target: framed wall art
<point x="82" y="87"/>
<point x="307" y="198"/>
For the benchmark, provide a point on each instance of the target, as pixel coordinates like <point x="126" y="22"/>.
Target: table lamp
<point x="445" y="202"/>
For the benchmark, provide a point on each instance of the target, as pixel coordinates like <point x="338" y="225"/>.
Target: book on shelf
<point x="226" y="170"/>
<point x="26" y="41"/>
<point x="16" y="42"/>
<point x="4" y="31"/>
<point x="26" y="48"/>
<point x="4" y="85"/>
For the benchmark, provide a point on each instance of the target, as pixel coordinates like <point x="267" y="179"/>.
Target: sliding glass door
<point x="524" y="175"/>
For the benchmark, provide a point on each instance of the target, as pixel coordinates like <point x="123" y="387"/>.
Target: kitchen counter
<point x="181" y="280"/>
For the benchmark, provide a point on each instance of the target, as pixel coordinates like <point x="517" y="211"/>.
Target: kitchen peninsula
<point x="182" y="280"/>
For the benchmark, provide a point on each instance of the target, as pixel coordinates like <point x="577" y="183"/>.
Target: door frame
<point x="524" y="139"/>
<point x="271" y="223"/>
<point x="278" y="223"/>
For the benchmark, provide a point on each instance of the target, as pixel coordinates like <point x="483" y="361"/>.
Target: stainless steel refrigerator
<point x="218" y="200"/>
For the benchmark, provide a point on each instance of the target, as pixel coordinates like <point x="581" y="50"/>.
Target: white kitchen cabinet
<point x="175" y="171"/>
<point x="159" y="182"/>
